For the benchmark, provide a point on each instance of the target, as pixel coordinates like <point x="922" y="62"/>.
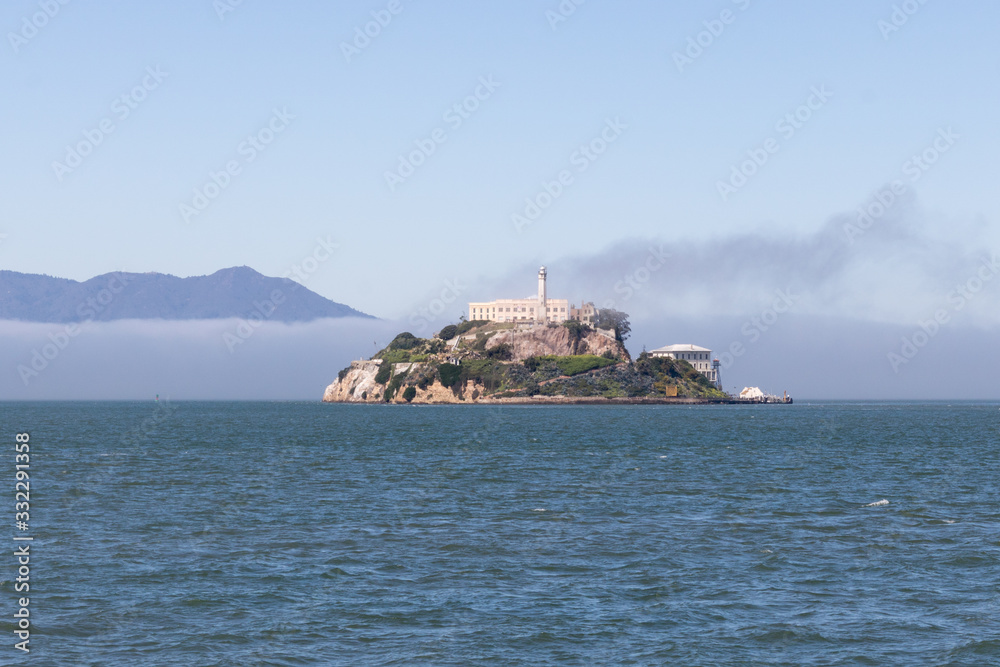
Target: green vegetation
<point x="501" y="352"/>
<point x="450" y="373"/>
<point x="404" y="341"/>
<point x="571" y="365"/>
<point x="452" y="330"/>
<point x="667" y="372"/>
<point x="480" y="344"/>
<point x="448" y="332"/>
<point x="577" y="330"/>
<point x="486" y="372"/>
<point x="395" y="356"/>
<point x="495" y="371"/>
<point x="469" y="325"/>
<point x="394" y="384"/>
<point x="406" y="348"/>
<point x="384" y="371"/>
<point x="423" y="376"/>
<point x="609" y="318"/>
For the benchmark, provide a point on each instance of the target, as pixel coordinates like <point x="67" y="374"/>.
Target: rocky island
<point x="481" y="361"/>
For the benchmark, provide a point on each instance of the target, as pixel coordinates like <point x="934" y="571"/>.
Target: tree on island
<point x="609" y="318"/>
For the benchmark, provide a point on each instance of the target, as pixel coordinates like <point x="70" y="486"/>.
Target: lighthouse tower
<point x="541" y="312"/>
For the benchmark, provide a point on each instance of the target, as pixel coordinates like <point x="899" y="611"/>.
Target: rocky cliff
<point x="557" y="341"/>
<point x="356" y="384"/>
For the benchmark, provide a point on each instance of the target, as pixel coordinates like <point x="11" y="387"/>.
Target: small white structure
<point x="699" y="357"/>
<point x="752" y="394"/>
<point x="538" y="310"/>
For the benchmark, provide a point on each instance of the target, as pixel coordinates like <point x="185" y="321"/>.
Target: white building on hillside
<point x="699" y="357"/>
<point x="534" y="309"/>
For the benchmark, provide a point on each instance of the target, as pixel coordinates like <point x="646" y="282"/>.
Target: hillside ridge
<point x="231" y="292"/>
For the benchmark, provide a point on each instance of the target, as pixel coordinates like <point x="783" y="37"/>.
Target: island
<point x="491" y="362"/>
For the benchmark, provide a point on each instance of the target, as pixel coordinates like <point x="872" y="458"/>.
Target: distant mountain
<point x="235" y="292"/>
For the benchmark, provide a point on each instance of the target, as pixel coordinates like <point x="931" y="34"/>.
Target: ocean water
<point x="310" y="534"/>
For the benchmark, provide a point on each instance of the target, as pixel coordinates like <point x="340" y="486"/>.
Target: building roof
<point x="684" y="347"/>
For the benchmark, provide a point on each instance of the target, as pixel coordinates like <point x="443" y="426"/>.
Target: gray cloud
<point x="900" y="268"/>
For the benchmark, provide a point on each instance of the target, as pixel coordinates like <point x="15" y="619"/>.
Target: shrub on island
<point x="502" y="352"/>
<point x="404" y="341"/>
<point x="572" y="365"/>
<point x="450" y="373"/>
<point x="395" y="356"/>
<point x="393" y="387"/>
<point x="448" y="332"/>
<point x="470" y="324"/>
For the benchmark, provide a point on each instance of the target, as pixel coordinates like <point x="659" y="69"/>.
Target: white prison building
<point x="535" y="309"/>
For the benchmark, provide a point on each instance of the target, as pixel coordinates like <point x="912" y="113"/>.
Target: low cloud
<point x="182" y="360"/>
<point x="809" y="356"/>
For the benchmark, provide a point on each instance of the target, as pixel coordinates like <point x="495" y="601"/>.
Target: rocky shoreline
<point x="577" y="400"/>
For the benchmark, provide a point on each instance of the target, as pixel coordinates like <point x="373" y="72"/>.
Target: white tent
<point x="752" y="393"/>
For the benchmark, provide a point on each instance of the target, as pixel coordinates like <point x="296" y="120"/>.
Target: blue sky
<point x="345" y="120"/>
